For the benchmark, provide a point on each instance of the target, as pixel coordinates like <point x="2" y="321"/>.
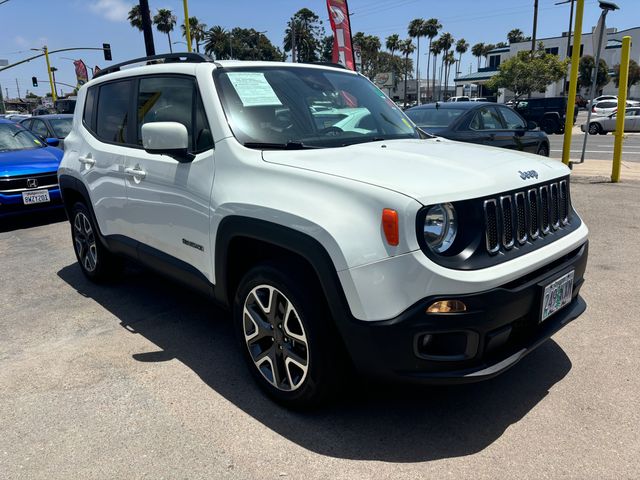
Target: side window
<point x="489" y="119"/>
<point x="39" y="128"/>
<point x="113" y="112"/>
<point x="512" y="119"/>
<point x="89" y="106"/>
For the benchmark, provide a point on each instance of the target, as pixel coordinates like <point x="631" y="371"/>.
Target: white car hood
<point x="430" y="171"/>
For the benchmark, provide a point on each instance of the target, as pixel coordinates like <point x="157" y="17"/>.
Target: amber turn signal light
<point x="390" y="226"/>
<point x="447" y="306"/>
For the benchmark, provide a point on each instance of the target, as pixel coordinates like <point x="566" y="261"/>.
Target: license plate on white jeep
<point x="556" y="295"/>
<point x="35" y="196"/>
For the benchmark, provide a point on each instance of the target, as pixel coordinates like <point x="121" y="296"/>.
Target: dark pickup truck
<point x="549" y="113"/>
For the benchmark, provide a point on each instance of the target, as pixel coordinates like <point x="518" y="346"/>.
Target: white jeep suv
<point x="340" y="235"/>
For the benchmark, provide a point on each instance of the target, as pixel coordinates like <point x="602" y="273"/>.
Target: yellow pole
<point x="53" y="90"/>
<point x="622" y="100"/>
<point x="573" y="83"/>
<point x="187" y="29"/>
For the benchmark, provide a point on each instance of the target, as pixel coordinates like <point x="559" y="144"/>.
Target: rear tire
<point x="550" y="126"/>
<point x="96" y="262"/>
<point x="287" y="335"/>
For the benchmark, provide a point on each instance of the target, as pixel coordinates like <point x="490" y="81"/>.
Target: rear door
<point x="167" y="201"/>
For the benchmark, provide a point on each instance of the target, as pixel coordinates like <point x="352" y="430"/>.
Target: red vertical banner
<point x="341" y="26"/>
<point x="81" y="72"/>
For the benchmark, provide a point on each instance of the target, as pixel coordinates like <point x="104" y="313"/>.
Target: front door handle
<point x="135" y="172"/>
<point x="88" y="161"/>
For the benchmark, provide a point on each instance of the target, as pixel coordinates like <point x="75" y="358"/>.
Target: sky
<point x="58" y="24"/>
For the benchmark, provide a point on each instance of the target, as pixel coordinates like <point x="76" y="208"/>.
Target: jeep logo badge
<point x="529" y="174"/>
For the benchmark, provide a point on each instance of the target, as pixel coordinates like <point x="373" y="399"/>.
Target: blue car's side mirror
<point x="52" y="142"/>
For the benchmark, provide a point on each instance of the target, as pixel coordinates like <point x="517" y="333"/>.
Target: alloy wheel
<point x="594" y="128"/>
<point x="275" y="337"/>
<point x="85" y="242"/>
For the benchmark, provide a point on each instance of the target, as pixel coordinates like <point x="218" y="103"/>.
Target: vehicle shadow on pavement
<point x="32" y="219"/>
<point x="370" y="422"/>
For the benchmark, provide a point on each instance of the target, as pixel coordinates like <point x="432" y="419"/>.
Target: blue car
<point x="28" y="171"/>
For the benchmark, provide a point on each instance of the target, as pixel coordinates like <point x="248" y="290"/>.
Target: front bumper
<point x="498" y="329"/>
<point x="11" y="203"/>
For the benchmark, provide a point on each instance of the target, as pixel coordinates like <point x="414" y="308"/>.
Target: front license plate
<point x="35" y="196"/>
<point x="556" y="295"/>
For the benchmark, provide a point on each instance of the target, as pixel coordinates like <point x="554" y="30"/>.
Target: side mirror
<point x="167" y="138"/>
<point x="52" y="142"/>
<point x="531" y="125"/>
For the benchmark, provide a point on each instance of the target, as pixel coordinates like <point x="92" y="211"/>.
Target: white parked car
<point x="462" y="98"/>
<point x="607" y="107"/>
<point x="371" y="245"/>
<point x="604" y="125"/>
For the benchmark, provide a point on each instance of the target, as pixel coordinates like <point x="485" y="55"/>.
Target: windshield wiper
<point x="279" y="146"/>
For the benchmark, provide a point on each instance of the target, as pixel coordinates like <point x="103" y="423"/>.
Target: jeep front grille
<point x="520" y="217"/>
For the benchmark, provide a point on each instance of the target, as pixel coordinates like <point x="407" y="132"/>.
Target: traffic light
<point x="34" y="80"/>
<point x="107" y="51"/>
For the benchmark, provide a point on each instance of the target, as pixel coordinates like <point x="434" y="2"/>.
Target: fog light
<point x="447" y="306"/>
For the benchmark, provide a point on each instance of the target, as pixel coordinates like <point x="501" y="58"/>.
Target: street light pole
<point x="572" y="2"/>
<point x="49" y="72"/>
<point x="146" y="28"/>
<point x="535" y="26"/>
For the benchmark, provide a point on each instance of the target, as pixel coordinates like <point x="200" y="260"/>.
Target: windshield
<point x="14" y="136"/>
<point x="435" y="117"/>
<point x="277" y="107"/>
<point x="61" y="126"/>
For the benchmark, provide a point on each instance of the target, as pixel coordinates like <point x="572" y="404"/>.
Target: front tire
<point x="96" y="262"/>
<point x="595" y="128"/>
<point x="287" y="335"/>
<point x="543" y="150"/>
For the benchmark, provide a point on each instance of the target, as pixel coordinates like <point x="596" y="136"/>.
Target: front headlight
<point x="440" y="227"/>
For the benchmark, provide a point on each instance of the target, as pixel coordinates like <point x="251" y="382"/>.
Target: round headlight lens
<point x="440" y="227"/>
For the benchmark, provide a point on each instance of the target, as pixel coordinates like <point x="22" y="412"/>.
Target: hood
<point x="430" y="171"/>
<point x="30" y="162"/>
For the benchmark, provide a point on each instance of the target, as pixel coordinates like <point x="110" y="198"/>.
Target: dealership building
<point x="612" y="43"/>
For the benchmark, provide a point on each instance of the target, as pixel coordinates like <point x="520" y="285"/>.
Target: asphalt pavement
<point x="142" y="379"/>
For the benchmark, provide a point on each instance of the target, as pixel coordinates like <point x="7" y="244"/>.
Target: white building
<point x="558" y="45"/>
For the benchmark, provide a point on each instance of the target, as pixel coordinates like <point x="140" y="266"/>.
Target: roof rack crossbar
<point x="167" y="57"/>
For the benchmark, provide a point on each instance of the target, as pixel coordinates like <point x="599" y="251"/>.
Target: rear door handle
<point x="135" y="172"/>
<point x="88" y="161"/>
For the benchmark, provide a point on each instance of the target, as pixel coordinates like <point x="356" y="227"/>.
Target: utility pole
<point x="146" y="27"/>
<point x="564" y="86"/>
<point x="53" y="73"/>
<point x="18" y="88"/>
<point x="535" y="26"/>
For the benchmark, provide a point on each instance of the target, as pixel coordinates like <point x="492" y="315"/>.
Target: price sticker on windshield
<point x="253" y="89"/>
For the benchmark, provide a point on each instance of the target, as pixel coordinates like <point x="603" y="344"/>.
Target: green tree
<point x="449" y="61"/>
<point x="393" y="43"/>
<point x="217" y="43"/>
<point x="461" y="48"/>
<point x="135" y="17"/>
<point x="432" y="27"/>
<point x="633" y="78"/>
<point x="529" y="72"/>
<point x="446" y="42"/>
<point x="485" y="52"/>
<point x="406" y="48"/>
<point x="436" y="49"/>
<point x="501" y="45"/>
<point x="326" y="54"/>
<point x="516" y="35"/>
<point x="369" y="47"/>
<point x="417" y="29"/>
<point x="478" y="51"/>
<point x="585" y="72"/>
<point x="309" y="34"/>
<point x="164" y="21"/>
<point x="197" y="31"/>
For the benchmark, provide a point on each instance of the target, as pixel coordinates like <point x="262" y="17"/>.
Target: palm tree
<point x="446" y="42"/>
<point x="197" y="31"/>
<point x="164" y="21"/>
<point x="135" y="17"/>
<point x="478" y="51"/>
<point x="461" y="48"/>
<point x="436" y="49"/>
<point x="432" y="26"/>
<point x="516" y="35"/>
<point x="217" y="41"/>
<point x="449" y="59"/>
<point x="393" y="43"/>
<point x="407" y="48"/>
<point x="417" y="29"/>
<point x="485" y="51"/>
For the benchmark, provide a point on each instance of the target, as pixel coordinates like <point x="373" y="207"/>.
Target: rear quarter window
<point x="89" y="108"/>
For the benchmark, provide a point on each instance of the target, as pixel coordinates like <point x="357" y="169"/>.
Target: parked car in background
<point x="462" y="98"/>
<point x="604" y="125"/>
<point x="478" y="99"/>
<point x="548" y="112"/>
<point x="28" y="171"/>
<point x="607" y="107"/>
<point x="50" y="126"/>
<point x="602" y="98"/>
<point x="581" y="102"/>
<point x="16" y="117"/>
<point x="43" y="111"/>
<point x="484" y="123"/>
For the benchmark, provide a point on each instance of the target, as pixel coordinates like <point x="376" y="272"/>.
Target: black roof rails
<point x="167" y="57"/>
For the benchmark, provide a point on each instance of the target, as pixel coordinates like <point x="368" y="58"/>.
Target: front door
<point x="522" y="140"/>
<point x="167" y="201"/>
